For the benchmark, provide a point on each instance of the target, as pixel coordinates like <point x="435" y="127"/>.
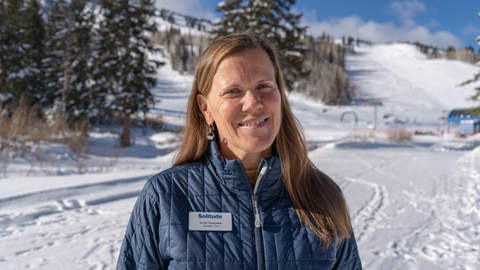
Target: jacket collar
<point x="232" y="173"/>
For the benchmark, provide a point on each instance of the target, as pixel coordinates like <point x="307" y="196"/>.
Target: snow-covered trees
<point x="272" y="19"/>
<point x="22" y="35"/>
<point x="69" y="56"/>
<point x="14" y="63"/>
<point x="43" y="58"/>
<point x="123" y="73"/>
<point x="86" y="57"/>
<point x="59" y="38"/>
<point x="35" y="38"/>
<point x="81" y="99"/>
<point x="328" y="80"/>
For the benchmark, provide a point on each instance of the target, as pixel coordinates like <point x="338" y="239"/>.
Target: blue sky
<point x="440" y="23"/>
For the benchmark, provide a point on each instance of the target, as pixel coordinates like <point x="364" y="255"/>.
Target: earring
<point x="210" y="134"/>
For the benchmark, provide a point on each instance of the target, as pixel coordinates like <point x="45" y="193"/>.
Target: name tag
<point x="208" y="221"/>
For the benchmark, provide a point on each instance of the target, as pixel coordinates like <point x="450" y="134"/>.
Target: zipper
<point x="258" y="222"/>
<point x="262" y="172"/>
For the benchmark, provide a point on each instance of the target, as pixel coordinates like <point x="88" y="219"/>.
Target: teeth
<point x="253" y="124"/>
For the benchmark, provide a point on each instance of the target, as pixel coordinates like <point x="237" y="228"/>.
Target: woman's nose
<point x="251" y="101"/>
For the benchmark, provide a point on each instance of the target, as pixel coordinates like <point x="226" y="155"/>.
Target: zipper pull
<point x="257" y="220"/>
<point x="258" y="223"/>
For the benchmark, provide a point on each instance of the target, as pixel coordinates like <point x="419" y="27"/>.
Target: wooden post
<point x="65" y="77"/>
<point x="126" y="116"/>
<point x="126" y="130"/>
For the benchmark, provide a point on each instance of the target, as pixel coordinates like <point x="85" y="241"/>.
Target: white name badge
<point x="208" y="221"/>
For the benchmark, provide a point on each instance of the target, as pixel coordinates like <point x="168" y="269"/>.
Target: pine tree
<point x="14" y="60"/>
<point x="81" y="98"/>
<point x="69" y="60"/>
<point x="273" y="20"/>
<point x="123" y="71"/>
<point x="58" y="55"/>
<point x="35" y="38"/>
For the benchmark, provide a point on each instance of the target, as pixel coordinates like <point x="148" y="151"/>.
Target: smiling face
<point x="244" y="102"/>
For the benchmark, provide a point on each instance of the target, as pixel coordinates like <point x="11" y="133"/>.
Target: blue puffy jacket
<point x="265" y="231"/>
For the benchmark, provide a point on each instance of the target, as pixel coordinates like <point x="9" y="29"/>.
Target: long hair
<point x="317" y="199"/>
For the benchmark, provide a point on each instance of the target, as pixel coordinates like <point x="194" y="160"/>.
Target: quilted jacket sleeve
<point x="140" y="246"/>
<point x="347" y="255"/>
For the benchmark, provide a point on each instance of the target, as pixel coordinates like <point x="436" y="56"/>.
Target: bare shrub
<point x="111" y="161"/>
<point x="15" y="131"/>
<point x="362" y="135"/>
<point x="58" y="123"/>
<point x="82" y="159"/>
<point x="399" y="135"/>
<point x="23" y="130"/>
<point x="77" y="140"/>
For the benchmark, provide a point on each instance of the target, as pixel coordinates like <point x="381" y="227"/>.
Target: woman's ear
<point x="202" y="104"/>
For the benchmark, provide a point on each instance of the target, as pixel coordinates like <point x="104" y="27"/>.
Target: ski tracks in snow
<point x="449" y="236"/>
<point x="411" y="207"/>
<point x="78" y="227"/>
<point x="453" y="238"/>
<point x="460" y="212"/>
<point x="71" y="236"/>
<point x="367" y="217"/>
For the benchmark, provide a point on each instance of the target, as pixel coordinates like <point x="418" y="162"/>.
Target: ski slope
<point x="414" y="204"/>
<point x="410" y="86"/>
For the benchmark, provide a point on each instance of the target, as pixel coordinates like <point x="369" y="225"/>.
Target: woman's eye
<point x="231" y="91"/>
<point x="263" y="86"/>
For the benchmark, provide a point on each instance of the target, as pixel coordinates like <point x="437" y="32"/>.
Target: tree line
<point x="190" y="21"/>
<point x="85" y="58"/>
<point x="467" y="54"/>
<point x="89" y="58"/>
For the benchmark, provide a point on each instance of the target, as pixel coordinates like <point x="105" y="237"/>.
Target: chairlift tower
<point x="445" y="114"/>
<point x="375" y="103"/>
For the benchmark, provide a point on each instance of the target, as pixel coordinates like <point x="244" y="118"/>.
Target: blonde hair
<point x="316" y="198"/>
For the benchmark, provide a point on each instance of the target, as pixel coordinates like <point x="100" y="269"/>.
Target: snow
<point x="414" y="204"/>
<point x="410" y="85"/>
<point x="180" y="24"/>
<point x="221" y="4"/>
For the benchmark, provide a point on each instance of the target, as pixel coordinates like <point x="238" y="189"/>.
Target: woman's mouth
<point x="253" y="123"/>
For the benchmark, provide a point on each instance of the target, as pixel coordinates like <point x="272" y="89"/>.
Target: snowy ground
<point x="414" y="204"/>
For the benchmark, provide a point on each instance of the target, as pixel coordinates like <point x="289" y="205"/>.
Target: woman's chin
<point x="261" y="147"/>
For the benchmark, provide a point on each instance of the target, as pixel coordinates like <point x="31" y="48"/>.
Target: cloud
<point x="388" y="32"/>
<point x="195" y="8"/>
<point x="432" y="23"/>
<point x="470" y="29"/>
<point x="406" y="10"/>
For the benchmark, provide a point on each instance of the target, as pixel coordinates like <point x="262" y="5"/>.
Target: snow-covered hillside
<point x="409" y="85"/>
<point x="414" y="204"/>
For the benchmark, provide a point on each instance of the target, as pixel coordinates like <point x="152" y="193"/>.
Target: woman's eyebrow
<point x="265" y="80"/>
<point x="235" y="83"/>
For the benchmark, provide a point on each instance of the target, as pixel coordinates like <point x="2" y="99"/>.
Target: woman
<point x="242" y="193"/>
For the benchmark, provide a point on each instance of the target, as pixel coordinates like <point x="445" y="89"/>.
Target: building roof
<point x="457" y="115"/>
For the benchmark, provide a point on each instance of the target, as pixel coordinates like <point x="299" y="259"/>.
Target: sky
<point x="441" y="23"/>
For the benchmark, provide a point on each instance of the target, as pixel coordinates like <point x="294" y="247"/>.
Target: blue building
<point x="468" y="120"/>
